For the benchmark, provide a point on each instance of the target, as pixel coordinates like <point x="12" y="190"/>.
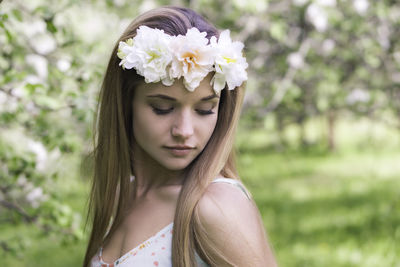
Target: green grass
<point x="319" y="209"/>
<point x="332" y="210"/>
<point x="43" y="251"/>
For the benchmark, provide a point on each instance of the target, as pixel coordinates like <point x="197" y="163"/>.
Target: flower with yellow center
<point x="230" y="65"/>
<point x="158" y="56"/>
<point x="148" y="53"/>
<point x="193" y="58"/>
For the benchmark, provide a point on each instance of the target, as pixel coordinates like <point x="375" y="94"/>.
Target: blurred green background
<point x="318" y="142"/>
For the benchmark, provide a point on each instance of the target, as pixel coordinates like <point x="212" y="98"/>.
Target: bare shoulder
<point x="223" y="199"/>
<point x="234" y="225"/>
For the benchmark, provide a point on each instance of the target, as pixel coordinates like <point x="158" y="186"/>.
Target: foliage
<point x="319" y="58"/>
<point x="45" y="108"/>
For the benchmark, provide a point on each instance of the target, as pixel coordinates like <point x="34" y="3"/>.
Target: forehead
<point x="177" y="90"/>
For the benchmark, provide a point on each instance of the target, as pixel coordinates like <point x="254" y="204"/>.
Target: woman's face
<point x="171" y="124"/>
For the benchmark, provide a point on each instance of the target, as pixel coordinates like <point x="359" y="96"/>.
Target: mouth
<point x="180" y="147"/>
<point x="179" y="151"/>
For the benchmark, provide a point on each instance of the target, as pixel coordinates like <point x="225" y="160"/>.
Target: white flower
<point x="21" y="181"/>
<point x="295" y="60"/>
<point x="160" y="57"/>
<point x="230" y="65"/>
<point x="358" y="96"/>
<point x="148" y="53"/>
<point x="124" y="49"/>
<point x="41" y="154"/>
<point x="328" y="45"/>
<point x="35" y="196"/>
<point x="39" y="64"/>
<point x="361" y="6"/>
<point x="318" y="17"/>
<point x="63" y="65"/>
<point x="193" y="58"/>
<point x="43" y="43"/>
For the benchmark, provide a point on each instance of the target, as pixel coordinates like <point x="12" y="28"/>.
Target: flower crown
<point x="158" y="56"/>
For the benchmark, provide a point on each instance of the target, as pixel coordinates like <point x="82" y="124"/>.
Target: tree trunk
<point x="302" y="135"/>
<point x="331" y="130"/>
<point x="280" y="128"/>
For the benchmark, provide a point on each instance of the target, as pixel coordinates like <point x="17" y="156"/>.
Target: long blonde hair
<point x="113" y="140"/>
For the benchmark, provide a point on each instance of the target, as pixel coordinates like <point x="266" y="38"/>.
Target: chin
<point x="177" y="165"/>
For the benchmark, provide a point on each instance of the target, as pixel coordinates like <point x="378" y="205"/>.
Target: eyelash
<point x="204" y="112"/>
<point x="166" y="111"/>
<point x="162" y="111"/>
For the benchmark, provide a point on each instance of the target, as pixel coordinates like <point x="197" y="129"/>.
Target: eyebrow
<point x="174" y="99"/>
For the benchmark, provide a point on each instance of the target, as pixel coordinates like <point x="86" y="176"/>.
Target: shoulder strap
<point x="199" y="261"/>
<point x="233" y="182"/>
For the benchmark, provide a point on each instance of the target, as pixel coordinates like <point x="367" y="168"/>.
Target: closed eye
<point x="160" y="111"/>
<point x="205" y="112"/>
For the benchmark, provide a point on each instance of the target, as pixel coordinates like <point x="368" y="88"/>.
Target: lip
<point x="179" y="147"/>
<point x="179" y="151"/>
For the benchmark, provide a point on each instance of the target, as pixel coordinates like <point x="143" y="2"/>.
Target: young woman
<point x="165" y="188"/>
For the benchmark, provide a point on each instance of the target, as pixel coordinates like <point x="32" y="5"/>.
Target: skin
<point x="234" y="226"/>
<point x="170" y="116"/>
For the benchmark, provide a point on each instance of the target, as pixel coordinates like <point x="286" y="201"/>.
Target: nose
<point x="182" y="127"/>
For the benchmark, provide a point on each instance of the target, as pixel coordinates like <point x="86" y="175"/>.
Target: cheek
<point x="142" y="129"/>
<point x="207" y="129"/>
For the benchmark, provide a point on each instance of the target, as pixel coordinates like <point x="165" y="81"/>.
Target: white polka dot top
<point x="157" y="250"/>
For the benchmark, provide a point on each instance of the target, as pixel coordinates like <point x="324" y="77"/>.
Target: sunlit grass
<point x="332" y="210"/>
<point x="319" y="208"/>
